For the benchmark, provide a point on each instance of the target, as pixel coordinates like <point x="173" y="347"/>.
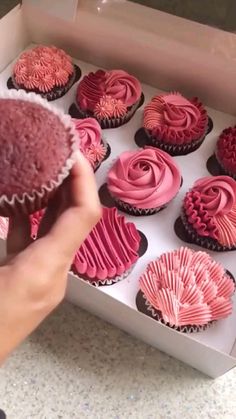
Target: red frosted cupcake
<point x="209" y="213"/>
<point x="226" y="151"/>
<point x="31" y="166"/>
<point x="143" y="182"/>
<point x="186" y="290"/>
<point x="112" y="97"/>
<point x="45" y="70"/>
<point x="175" y="124"/>
<point x="94" y="148"/>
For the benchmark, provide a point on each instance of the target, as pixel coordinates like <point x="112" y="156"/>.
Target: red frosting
<point x="226" y="150"/>
<point x="173" y="119"/>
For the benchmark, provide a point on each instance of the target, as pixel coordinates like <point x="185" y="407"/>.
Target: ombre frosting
<point x="174" y="119"/>
<point x="110" y="250"/>
<point x="210" y="207"/>
<point x="226" y="150"/>
<point x="109" y="92"/>
<point x="43" y="68"/>
<point x="187" y="288"/>
<point x="148" y="178"/>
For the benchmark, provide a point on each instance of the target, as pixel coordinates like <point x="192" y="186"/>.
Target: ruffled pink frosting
<point x="110" y="249"/>
<point x="117" y="84"/>
<point x="148" y="178"/>
<point x="43" y="68"/>
<point x="188" y="288"/>
<point x="174" y="119"/>
<point x="226" y="150"/>
<point x="210" y="207"/>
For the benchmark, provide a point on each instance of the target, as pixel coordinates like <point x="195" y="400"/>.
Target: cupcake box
<point x="212" y="351"/>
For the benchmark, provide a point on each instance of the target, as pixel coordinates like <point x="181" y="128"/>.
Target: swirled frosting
<point x="226" y="150"/>
<point x="187" y="288"/>
<point x="43" y="68"/>
<point x="210" y="207"/>
<point x="91" y="144"/>
<point x="174" y="119"/>
<point x="110" y="249"/>
<point x="118" y="85"/>
<point x="148" y="178"/>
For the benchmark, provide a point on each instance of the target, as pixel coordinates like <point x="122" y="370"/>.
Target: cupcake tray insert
<point x="210" y="350"/>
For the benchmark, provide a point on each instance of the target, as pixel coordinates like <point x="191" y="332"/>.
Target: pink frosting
<point x="108" y="107"/>
<point x="35" y="220"/>
<point x="148" y="178"/>
<point x="210" y="208"/>
<point x="110" y="250"/>
<point x="188" y="288"/>
<point x="174" y="119"/>
<point x="226" y="150"/>
<point x="4" y="224"/>
<point x="42" y="69"/>
<point x="90" y="135"/>
<point x="117" y="84"/>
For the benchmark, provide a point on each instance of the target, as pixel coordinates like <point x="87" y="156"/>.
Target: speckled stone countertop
<point x="77" y="366"/>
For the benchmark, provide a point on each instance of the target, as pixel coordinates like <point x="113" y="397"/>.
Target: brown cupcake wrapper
<point x="29" y="203"/>
<point x="223" y="169"/>
<point x="138" y="212"/>
<point x="102" y="282"/>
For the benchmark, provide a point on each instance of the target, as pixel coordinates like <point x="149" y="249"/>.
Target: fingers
<point x="18" y="235"/>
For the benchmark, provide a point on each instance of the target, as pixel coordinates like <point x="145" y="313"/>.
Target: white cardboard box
<point x="170" y="53"/>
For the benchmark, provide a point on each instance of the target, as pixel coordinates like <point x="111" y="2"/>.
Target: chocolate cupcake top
<point x="34" y="146"/>
<point x="174" y="119"/>
<point x="147" y="178"/>
<point x="210" y="208"/>
<point x="187" y="288"/>
<point x="226" y="150"/>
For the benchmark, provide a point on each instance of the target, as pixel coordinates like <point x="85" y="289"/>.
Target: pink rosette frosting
<point x="110" y="250"/>
<point x="108" y="107"/>
<point x="226" y="150"/>
<point x="90" y="135"/>
<point x="145" y="179"/>
<point x="43" y="68"/>
<point x="187" y="288"/>
<point x="122" y="86"/>
<point x="174" y="119"/>
<point x="210" y="207"/>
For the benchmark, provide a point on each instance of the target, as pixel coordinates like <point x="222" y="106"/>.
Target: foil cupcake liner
<point x="37" y="199"/>
<point x="102" y="282"/>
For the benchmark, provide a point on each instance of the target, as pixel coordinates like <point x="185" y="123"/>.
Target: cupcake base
<point x="214" y="168"/>
<point x="56" y="93"/>
<point x="76" y="112"/>
<point x="144" y="138"/>
<point x="186" y="233"/>
<point x="110" y="281"/>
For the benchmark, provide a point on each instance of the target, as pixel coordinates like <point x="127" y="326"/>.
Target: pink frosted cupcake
<point x="175" y="124"/>
<point x="45" y="70"/>
<point x="94" y="148"/>
<point x="226" y="151"/>
<point x="109" y="252"/>
<point x="112" y="97"/>
<point x="143" y="182"/>
<point x="186" y="290"/>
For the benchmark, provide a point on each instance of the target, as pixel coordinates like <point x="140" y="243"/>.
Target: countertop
<point x="77" y="366"/>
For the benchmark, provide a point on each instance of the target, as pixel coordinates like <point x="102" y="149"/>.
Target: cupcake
<point x="48" y="71"/>
<point x="226" y="152"/>
<point x="112" y="97"/>
<point x="94" y="148"/>
<point x="143" y="182"/>
<point x="209" y="213"/>
<point x="110" y="251"/>
<point x="175" y="124"/>
<point x="31" y="166"/>
<point x="186" y="290"/>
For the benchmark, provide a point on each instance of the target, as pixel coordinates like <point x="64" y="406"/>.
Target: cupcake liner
<point x="56" y="92"/>
<point x="102" y="282"/>
<point x="29" y="203"/>
<point x="138" y="212"/>
<point x="76" y="111"/>
<point x="223" y="170"/>
<point x="206" y="242"/>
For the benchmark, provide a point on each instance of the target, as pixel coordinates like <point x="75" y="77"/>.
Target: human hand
<point x="33" y="279"/>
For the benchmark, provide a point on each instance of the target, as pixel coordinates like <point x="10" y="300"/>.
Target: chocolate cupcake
<point x="175" y="124"/>
<point x="143" y="182"/>
<point x="45" y="70"/>
<point x="226" y="151"/>
<point x="110" y="251"/>
<point x="186" y="290"/>
<point x="31" y="166"/>
<point x="112" y="97"/>
<point x="94" y="148"/>
<point x="209" y="213"/>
